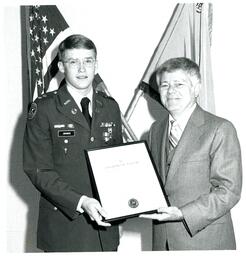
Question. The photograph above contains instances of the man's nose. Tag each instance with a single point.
(171, 89)
(81, 66)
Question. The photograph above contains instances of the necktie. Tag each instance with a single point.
(85, 109)
(174, 136)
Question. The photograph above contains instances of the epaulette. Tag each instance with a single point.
(47, 95)
(104, 95)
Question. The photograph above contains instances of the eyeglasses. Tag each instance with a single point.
(175, 86)
(76, 63)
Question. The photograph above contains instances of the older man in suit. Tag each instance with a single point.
(199, 160)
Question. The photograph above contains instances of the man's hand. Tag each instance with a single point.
(93, 208)
(165, 214)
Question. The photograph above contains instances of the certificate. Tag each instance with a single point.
(125, 180)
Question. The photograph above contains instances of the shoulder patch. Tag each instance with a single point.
(32, 111)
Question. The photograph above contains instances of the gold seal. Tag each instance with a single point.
(133, 203)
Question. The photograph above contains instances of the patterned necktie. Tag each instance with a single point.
(85, 109)
(175, 134)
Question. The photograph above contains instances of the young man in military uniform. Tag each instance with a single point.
(60, 126)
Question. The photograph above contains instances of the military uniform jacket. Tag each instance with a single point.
(55, 138)
(204, 180)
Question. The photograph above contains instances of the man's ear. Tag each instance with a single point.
(197, 87)
(96, 67)
(61, 66)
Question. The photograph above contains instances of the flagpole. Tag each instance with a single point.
(137, 95)
(30, 96)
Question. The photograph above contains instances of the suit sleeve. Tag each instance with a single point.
(39, 167)
(225, 178)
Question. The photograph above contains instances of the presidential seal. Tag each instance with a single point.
(133, 203)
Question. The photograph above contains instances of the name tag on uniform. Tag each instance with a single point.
(66, 133)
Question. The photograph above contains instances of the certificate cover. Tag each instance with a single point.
(125, 180)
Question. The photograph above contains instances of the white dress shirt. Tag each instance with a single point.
(181, 120)
(77, 96)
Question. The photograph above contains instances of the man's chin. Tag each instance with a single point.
(173, 109)
(83, 86)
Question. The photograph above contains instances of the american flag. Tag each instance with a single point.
(46, 28)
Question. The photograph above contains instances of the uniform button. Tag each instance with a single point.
(55, 208)
(92, 139)
(66, 141)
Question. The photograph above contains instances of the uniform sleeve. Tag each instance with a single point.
(39, 167)
(119, 132)
(225, 178)
(117, 118)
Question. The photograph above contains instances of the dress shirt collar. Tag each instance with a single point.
(183, 119)
(77, 96)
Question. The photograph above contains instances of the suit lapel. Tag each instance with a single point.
(69, 108)
(190, 136)
(163, 147)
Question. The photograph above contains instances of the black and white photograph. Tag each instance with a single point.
(123, 128)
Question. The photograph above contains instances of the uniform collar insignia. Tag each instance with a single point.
(67, 101)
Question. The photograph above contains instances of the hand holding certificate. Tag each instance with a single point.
(171, 213)
(126, 181)
(93, 208)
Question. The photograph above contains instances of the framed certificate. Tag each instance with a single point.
(126, 181)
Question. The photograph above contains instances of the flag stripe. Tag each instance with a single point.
(51, 72)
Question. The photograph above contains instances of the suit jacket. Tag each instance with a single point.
(55, 138)
(204, 180)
